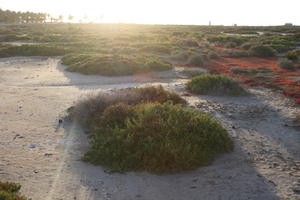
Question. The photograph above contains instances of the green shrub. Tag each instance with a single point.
(183, 55)
(237, 70)
(212, 55)
(114, 64)
(231, 45)
(87, 111)
(293, 54)
(246, 46)
(262, 51)
(297, 118)
(9, 191)
(196, 61)
(33, 50)
(159, 138)
(215, 85)
(156, 49)
(286, 64)
(190, 43)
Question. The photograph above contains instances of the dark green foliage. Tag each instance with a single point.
(9, 191)
(286, 64)
(214, 85)
(262, 51)
(159, 138)
(114, 64)
(33, 50)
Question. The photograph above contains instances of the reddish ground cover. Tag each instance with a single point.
(258, 71)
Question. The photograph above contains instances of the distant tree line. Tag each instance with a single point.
(7, 16)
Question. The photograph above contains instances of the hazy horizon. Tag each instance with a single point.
(168, 12)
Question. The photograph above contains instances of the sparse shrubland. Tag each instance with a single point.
(9, 191)
(210, 84)
(142, 129)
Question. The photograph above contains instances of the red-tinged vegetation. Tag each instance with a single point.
(258, 71)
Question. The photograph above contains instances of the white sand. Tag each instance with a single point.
(45, 157)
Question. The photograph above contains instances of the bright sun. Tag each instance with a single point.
(226, 12)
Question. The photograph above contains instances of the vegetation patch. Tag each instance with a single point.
(211, 84)
(262, 51)
(148, 129)
(87, 111)
(286, 64)
(33, 50)
(152, 137)
(114, 64)
(9, 191)
(196, 60)
(297, 118)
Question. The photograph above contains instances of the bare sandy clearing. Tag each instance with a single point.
(45, 157)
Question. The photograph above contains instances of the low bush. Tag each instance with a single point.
(237, 70)
(212, 55)
(33, 50)
(262, 51)
(86, 111)
(183, 55)
(246, 46)
(114, 64)
(190, 43)
(293, 55)
(159, 138)
(297, 118)
(9, 191)
(195, 61)
(286, 64)
(156, 49)
(211, 84)
(231, 45)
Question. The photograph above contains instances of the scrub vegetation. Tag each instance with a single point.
(149, 129)
(9, 191)
(210, 84)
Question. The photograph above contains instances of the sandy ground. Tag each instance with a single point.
(44, 156)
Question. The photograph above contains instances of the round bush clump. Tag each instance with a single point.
(286, 64)
(215, 85)
(262, 51)
(158, 138)
(196, 60)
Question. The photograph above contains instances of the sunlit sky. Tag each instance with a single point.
(225, 12)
